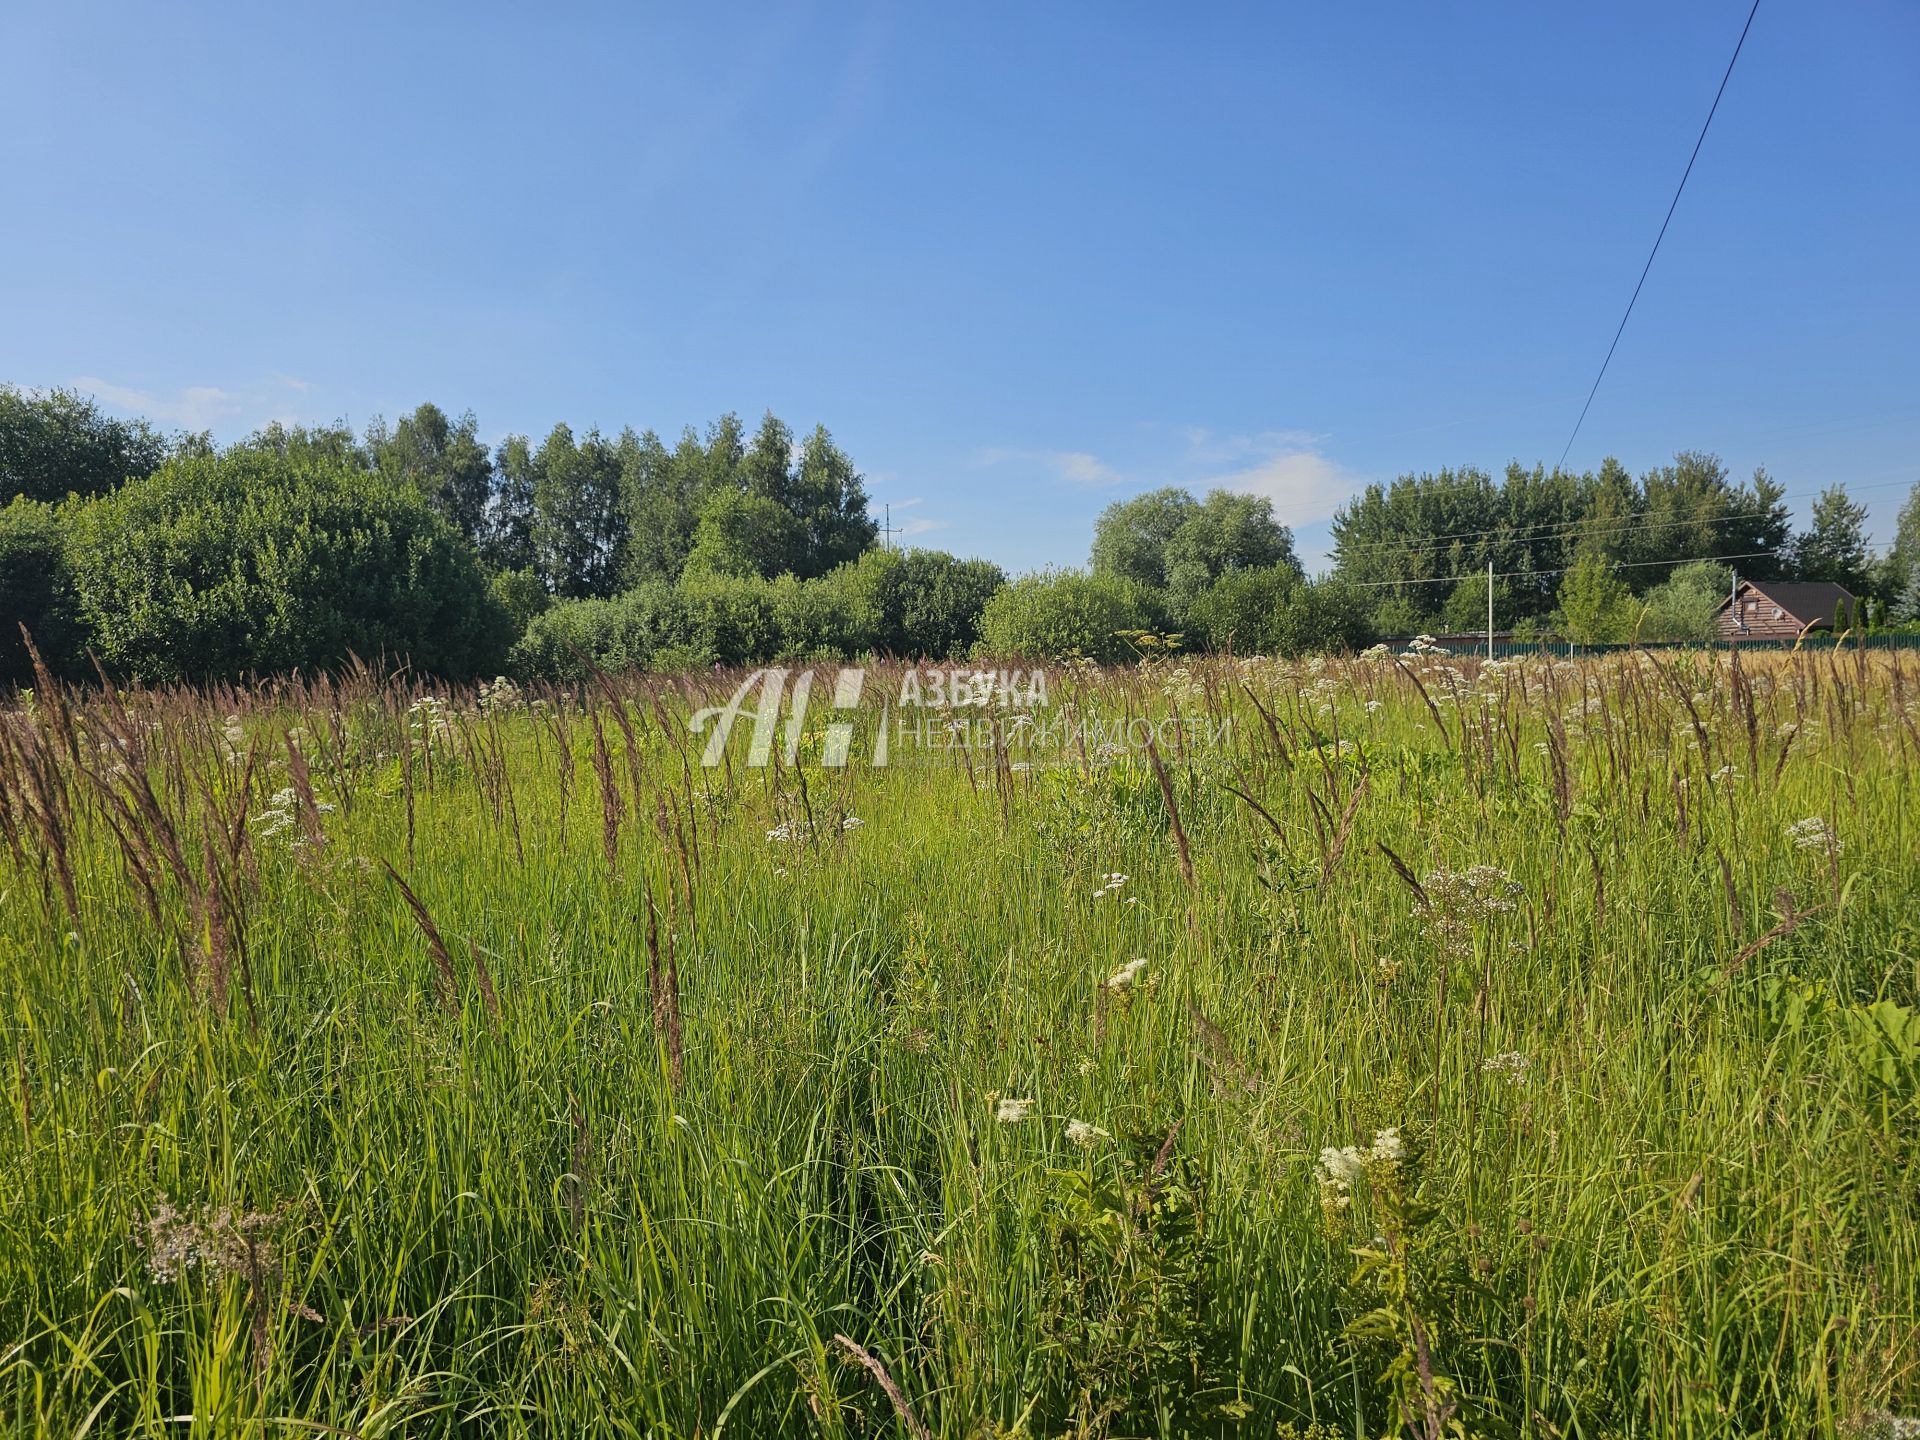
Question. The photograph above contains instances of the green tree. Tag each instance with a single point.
(1834, 547)
(36, 591)
(743, 533)
(667, 490)
(1690, 510)
(1273, 611)
(1686, 605)
(1169, 541)
(1466, 609)
(579, 529)
(443, 459)
(55, 443)
(218, 567)
(829, 501)
(1596, 605)
(506, 539)
(1899, 569)
(1906, 608)
(332, 444)
(1130, 538)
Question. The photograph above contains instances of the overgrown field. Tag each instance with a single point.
(1402, 1045)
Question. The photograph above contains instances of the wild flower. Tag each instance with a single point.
(1011, 1112)
(1459, 900)
(1513, 1065)
(1725, 775)
(1813, 833)
(1110, 883)
(1126, 974)
(1085, 1134)
(427, 717)
(1341, 1167)
(851, 822)
(1885, 1425)
(276, 817)
(218, 1241)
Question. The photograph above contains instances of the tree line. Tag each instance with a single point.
(169, 558)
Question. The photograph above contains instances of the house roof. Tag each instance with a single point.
(1808, 601)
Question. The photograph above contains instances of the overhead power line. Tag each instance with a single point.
(1663, 232)
(1542, 530)
(1562, 570)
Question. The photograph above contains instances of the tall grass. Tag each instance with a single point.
(1524, 1049)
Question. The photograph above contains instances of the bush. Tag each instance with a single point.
(931, 602)
(730, 618)
(215, 567)
(520, 596)
(1067, 614)
(1272, 611)
(35, 591)
(835, 617)
(633, 630)
(1685, 605)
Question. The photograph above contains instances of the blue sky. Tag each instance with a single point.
(1022, 260)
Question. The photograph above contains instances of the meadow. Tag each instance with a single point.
(1397, 1044)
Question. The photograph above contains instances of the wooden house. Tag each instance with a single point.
(1782, 609)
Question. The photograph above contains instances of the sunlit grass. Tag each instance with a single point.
(1653, 1085)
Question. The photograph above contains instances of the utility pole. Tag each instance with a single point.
(1489, 609)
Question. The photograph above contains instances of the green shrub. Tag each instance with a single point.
(1067, 614)
(930, 601)
(215, 567)
(35, 591)
(1685, 605)
(634, 630)
(520, 596)
(730, 618)
(1272, 611)
(835, 617)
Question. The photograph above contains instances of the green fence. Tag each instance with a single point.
(1563, 649)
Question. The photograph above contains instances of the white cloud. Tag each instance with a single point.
(917, 527)
(1303, 484)
(197, 407)
(1077, 467)
(1207, 447)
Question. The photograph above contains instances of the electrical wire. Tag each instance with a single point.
(1712, 110)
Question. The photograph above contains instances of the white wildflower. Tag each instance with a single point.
(1341, 1167)
(1126, 974)
(1085, 1134)
(1011, 1112)
(1813, 833)
(1512, 1064)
